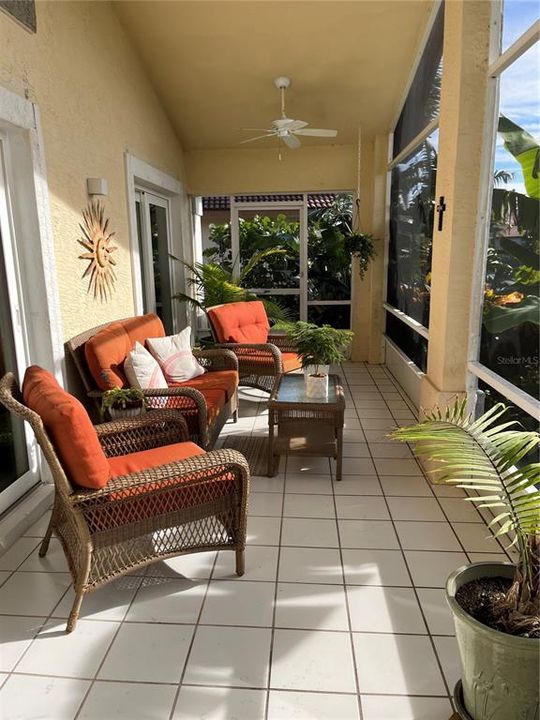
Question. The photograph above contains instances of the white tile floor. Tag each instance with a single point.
(340, 615)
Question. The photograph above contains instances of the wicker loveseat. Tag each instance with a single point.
(243, 327)
(149, 493)
(97, 356)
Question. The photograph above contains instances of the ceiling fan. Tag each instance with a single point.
(287, 129)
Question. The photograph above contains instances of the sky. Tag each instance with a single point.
(519, 84)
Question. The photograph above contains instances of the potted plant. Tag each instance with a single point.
(496, 606)
(318, 348)
(123, 403)
(361, 246)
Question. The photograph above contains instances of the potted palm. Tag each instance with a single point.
(318, 347)
(121, 403)
(496, 606)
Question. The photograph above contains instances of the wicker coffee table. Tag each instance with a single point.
(305, 426)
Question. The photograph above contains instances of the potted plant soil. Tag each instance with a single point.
(496, 606)
(121, 403)
(318, 347)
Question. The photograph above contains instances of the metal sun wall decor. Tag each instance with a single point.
(96, 241)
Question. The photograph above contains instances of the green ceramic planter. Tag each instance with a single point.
(500, 672)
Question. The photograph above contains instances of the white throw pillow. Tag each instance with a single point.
(175, 357)
(142, 370)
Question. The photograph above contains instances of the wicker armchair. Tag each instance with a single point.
(193, 505)
(189, 400)
(259, 363)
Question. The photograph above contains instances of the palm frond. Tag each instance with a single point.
(482, 456)
(256, 258)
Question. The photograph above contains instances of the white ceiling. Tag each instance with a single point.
(213, 63)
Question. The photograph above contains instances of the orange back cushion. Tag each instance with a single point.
(107, 350)
(142, 327)
(242, 322)
(69, 428)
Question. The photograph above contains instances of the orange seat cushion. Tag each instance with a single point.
(137, 461)
(225, 380)
(126, 506)
(107, 350)
(69, 428)
(241, 322)
(217, 387)
(291, 361)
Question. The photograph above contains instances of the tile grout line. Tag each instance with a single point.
(276, 587)
(419, 604)
(113, 639)
(192, 641)
(345, 593)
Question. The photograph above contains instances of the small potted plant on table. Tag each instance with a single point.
(121, 403)
(496, 606)
(318, 347)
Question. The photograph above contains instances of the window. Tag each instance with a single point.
(310, 279)
(413, 173)
(508, 352)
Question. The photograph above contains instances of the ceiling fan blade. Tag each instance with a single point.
(296, 125)
(259, 137)
(291, 141)
(256, 130)
(317, 132)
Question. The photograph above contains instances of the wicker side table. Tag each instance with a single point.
(305, 426)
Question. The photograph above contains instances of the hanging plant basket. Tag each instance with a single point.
(361, 246)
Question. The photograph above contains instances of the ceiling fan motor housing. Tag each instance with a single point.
(282, 82)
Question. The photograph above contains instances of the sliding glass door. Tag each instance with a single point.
(153, 229)
(18, 456)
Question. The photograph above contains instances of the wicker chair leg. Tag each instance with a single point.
(240, 563)
(74, 614)
(45, 542)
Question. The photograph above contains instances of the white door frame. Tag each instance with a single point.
(301, 206)
(27, 236)
(142, 176)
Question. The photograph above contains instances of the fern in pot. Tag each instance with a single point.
(496, 606)
(121, 403)
(318, 347)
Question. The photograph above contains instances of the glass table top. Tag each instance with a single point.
(292, 389)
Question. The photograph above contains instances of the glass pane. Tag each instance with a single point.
(518, 16)
(138, 216)
(261, 230)
(281, 307)
(423, 98)
(510, 320)
(160, 260)
(292, 389)
(329, 266)
(527, 422)
(13, 451)
(412, 205)
(410, 342)
(338, 316)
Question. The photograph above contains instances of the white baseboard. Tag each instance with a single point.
(24, 514)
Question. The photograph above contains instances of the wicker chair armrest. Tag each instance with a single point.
(216, 359)
(148, 431)
(253, 351)
(181, 399)
(191, 471)
(282, 341)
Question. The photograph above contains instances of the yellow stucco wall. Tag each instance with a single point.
(95, 103)
(222, 172)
